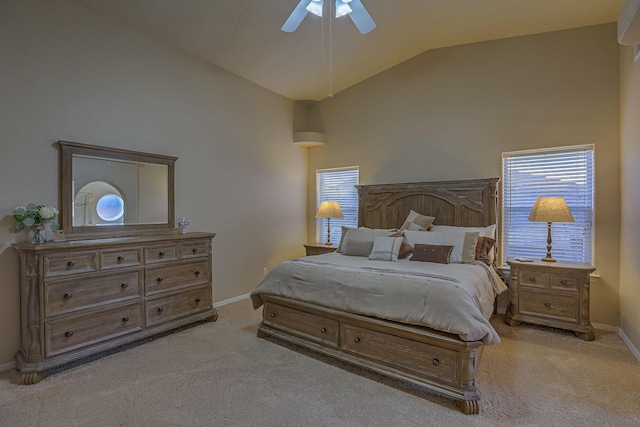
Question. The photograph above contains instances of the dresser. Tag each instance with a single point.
(553, 294)
(82, 297)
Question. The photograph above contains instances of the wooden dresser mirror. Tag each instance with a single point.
(110, 192)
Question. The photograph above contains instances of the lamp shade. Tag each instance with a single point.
(550, 209)
(329, 210)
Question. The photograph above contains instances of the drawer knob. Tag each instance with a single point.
(159, 279)
(161, 253)
(68, 295)
(70, 264)
(357, 340)
(125, 319)
(532, 279)
(124, 285)
(198, 299)
(160, 309)
(435, 362)
(273, 315)
(547, 304)
(68, 334)
(194, 250)
(563, 282)
(323, 330)
(197, 272)
(120, 258)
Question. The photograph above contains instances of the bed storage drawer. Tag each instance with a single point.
(410, 354)
(550, 305)
(309, 325)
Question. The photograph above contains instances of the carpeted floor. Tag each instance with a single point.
(220, 374)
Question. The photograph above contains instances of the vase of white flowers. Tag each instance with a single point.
(36, 217)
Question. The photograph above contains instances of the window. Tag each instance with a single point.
(337, 185)
(527, 175)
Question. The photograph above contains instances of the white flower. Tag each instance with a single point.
(47, 212)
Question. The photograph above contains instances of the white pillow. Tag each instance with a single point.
(386, 248)
(359, 241)
(417, 222)
(489, 231)
(464, 243)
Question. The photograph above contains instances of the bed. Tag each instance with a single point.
(320, 302)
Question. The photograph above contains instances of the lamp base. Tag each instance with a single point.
(548, 259)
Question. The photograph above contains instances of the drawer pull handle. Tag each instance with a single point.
(68, 334)
(323, 330)
(160, 309)
(124, 285)
(194, 250)
(70, 264)
(532, 279)
(273, 315)
(125, 319)
(547, 304)
(435, 362)
(198, 299)
(161, 253)
(197, 272)
(563, 282)
(159, 279)
(120, 258)
(357, 340)
(68, 295)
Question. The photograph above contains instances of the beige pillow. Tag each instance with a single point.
(417, 222)
(464, 244)
(386, 248)
(405, 248)
(432, 253)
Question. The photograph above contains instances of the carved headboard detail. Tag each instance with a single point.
(469, 203)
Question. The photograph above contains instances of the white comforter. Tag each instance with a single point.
(454, 298)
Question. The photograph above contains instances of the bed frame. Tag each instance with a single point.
(434, 360)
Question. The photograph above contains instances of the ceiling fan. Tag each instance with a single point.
(353, 8)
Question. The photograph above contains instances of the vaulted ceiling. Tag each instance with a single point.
(323, 56)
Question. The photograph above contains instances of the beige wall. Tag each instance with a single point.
(70, 74)
(630, 180)
(450, 113)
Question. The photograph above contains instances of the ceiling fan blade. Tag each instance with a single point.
(361, 17)
(296, 16)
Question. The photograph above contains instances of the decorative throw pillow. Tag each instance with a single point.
(359, 241)
(386, 248)
(417, 222)
(484, 248)
(489, 231)
(432, 253)
(464, 244)
(405, 248)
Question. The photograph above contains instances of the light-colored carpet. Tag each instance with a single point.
(221, 374)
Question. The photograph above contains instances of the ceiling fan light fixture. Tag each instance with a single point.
(315, 7)
(342, 8)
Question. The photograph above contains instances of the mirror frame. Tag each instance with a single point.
(66, 198)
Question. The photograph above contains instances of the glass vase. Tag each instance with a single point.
(37, 235)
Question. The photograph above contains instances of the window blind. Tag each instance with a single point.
(566, 172)
(337, 185)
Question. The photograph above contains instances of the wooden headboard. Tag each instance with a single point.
(470, 203)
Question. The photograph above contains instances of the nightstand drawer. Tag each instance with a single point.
(549, 305)
(569, 282)
(533, 278)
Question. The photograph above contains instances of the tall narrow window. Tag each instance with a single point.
(527, 175)
(337, 185)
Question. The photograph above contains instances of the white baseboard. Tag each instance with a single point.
(230, 300)
(7, 366)
(629, 344)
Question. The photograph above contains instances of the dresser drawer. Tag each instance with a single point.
(160, 253)
(75, 332)
(550, 305)
(159, 279)
(568, 282)
(311, 326)
(69, 263)
(62, 297)
(410, 354)
(120, 258)
(533, 278)
(167, 308)
(194, 249)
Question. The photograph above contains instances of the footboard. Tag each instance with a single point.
(433, 360)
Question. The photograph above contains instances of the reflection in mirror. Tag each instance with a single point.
(114, 192)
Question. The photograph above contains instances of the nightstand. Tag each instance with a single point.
(552, 294)
(319, 248)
